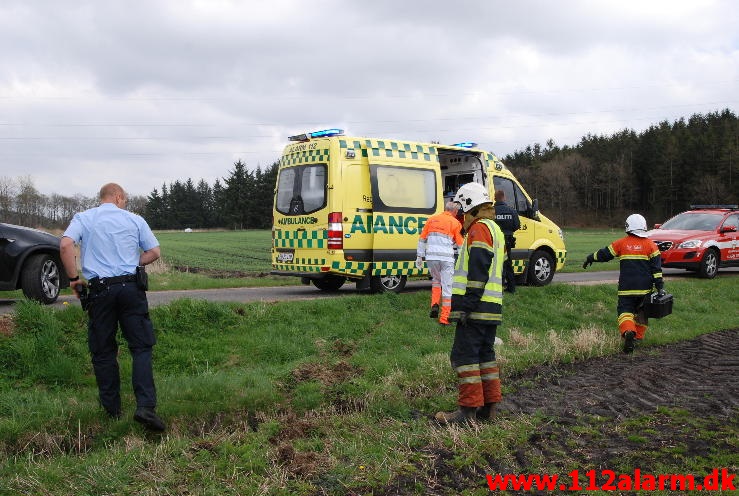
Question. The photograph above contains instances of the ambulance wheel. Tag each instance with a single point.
(540, 269)
(329, 283)
(708, 267)
(383, 284)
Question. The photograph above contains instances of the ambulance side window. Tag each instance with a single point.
(514, 196)
(301, 190)
(403, 189)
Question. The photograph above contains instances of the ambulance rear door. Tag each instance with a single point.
(406, 190)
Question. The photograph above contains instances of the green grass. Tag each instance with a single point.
(230, 251)
(325, 396)
(249, 251)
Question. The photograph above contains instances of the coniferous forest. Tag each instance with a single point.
(657, 172)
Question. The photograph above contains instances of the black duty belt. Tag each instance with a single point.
(107, 281)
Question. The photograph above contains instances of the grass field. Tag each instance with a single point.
(248, 252)
(329, 396)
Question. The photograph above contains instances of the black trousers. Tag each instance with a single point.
(121, 304)
(473, 343)
(509, 277)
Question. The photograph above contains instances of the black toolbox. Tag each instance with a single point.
(658, 305)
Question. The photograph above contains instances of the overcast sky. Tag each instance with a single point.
(147, 92)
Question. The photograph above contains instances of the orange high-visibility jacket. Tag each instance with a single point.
(439, 236)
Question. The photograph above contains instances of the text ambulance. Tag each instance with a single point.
(352, 209)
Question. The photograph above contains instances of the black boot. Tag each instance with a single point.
(434, 313)
(487, 412)
(149, 419)
(629, 338)
(465, 415)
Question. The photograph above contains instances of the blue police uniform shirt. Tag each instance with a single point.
(110, 239)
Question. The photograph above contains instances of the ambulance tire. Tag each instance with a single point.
(387, 284)
(541, 268)
(329, 283)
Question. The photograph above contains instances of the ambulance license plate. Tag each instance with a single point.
(286, 256)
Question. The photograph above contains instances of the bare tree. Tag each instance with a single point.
(7, 198)
(28, 203)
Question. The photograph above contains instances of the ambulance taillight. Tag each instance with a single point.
(335, 231)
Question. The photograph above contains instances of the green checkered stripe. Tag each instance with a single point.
(519, 265)
(392, 149)
(300, 239)
(494, 161)
(561, 256)
(350, 268)
(297, 268)
(395, 268)
(305, 157)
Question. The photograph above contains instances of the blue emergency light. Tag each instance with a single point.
(326, 133)
(466, 144)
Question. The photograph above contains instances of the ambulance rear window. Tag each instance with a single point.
(301, 190)
(401, 189)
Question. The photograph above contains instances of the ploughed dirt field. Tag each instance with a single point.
(661, 410)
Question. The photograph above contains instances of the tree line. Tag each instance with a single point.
(243, 201)
(22, 204)
(658, 172)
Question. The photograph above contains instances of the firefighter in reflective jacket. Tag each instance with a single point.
(507, 218)
(440, 238)
(477, 303)
(641, 270)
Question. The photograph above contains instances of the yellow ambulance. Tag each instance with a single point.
(351, 209)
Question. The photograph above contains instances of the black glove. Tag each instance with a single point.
(463, 318)
(588, 261)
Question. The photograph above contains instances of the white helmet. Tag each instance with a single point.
(471, 195)
(636, 225)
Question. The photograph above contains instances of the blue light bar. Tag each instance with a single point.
(326, 133)
(317, 134)
(466, 144)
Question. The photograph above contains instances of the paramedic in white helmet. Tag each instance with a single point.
(641, 270)
(477, 305)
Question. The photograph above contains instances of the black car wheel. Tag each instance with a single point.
(41, 278)
(382, 284)
(541, 268)
(329, 283)
(708, 266)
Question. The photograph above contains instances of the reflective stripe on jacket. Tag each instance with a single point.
(439, 236)
(641, 264)
(478, 276)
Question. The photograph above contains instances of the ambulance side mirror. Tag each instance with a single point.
(534, 212)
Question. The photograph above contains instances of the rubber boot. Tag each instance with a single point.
(487, 412)
(629, 338)
(465, 415)
(444, 316)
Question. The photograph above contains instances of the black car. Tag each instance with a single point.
(29, 260)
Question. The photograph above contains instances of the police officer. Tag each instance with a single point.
(477, 306)
(507, 218)
(115, 245)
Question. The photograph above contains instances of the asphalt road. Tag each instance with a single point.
(310, 292)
